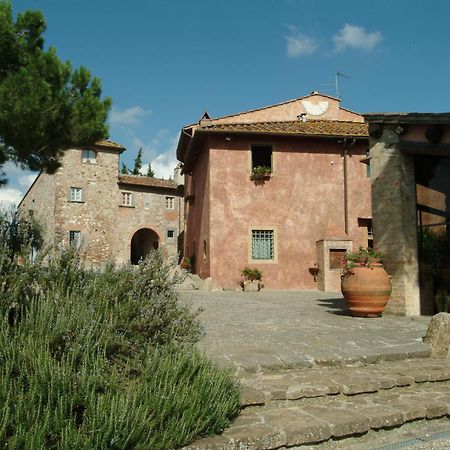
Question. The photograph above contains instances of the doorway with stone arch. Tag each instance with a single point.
(143, 242)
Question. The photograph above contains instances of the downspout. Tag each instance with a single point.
(347, 145)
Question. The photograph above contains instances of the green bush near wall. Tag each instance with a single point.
(103, 360)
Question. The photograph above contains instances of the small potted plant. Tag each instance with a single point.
(261, 173)
(186, 263)
(365, 284)
(251, 280)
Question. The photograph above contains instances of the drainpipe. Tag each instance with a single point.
(347, 145)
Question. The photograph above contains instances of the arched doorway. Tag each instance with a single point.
(142, 243)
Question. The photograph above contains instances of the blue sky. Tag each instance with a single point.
(166, 62)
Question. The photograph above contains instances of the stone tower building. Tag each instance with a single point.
(109, 217)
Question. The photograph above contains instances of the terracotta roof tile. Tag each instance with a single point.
(110, 144)
(140, 180)
(309, 128)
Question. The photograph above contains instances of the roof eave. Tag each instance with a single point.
(408, 118)
(282, 133)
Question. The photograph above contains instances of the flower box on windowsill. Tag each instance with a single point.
(261, 173)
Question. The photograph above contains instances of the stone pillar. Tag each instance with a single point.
(394, 220)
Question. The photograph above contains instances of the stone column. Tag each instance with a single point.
(394, 220)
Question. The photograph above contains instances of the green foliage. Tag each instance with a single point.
(362, 257)
(260, 172)
(46, 106)
(124, 169)
(137, 163)
(150, 173)
(103, 360)
(19, 234)
(252, 274)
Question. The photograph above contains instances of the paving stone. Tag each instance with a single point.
(252, 396)
(359, 387)
(259, 437)
(306, 429)
(382, 416)
(436, 409)
(342, 422)
(386, 381)
(304, 390)
(411, 409)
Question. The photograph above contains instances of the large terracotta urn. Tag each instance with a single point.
(366, 290)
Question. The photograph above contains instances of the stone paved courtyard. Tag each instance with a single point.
(274, 329)
(290, 351)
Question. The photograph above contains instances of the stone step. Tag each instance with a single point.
(260, 389)
(309, 406)
(186, 280)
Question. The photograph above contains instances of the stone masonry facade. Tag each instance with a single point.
(88, 204)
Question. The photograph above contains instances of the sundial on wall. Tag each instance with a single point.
(315, 109)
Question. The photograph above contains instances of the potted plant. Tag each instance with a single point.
(261, 173)
(186, 264)
(251, 280)
(365, 284)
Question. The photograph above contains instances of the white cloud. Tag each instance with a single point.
(160, 152)
(299, 44)
(353, 36)
(25, 181)
(130, 116)
(164, 164)
(9, 197)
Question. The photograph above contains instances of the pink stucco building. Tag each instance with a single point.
(313, 205)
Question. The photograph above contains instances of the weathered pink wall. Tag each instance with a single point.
(304, 195)
(198, 215)
(290, 110)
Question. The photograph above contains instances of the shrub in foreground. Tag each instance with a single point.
(103, 360)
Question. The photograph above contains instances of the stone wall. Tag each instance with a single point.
(40, 199)
(106, 226)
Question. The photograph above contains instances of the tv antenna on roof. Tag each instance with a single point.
(336, 80)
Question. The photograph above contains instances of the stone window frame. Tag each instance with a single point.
(170, 202)
(75, 238)
(127, 199)
(89, 156)
(173, 237)
(76, 194)
(274, 230)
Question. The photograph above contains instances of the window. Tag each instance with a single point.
(89, 156)
(127, 199)
(75, 238)
(262, 244)
(367, 224)
(170, 202)
(262, 156)
(170, 234)
(76, 194)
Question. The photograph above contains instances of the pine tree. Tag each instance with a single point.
(124, 169)
(150, 173)
(137, 163)
(46, 106)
